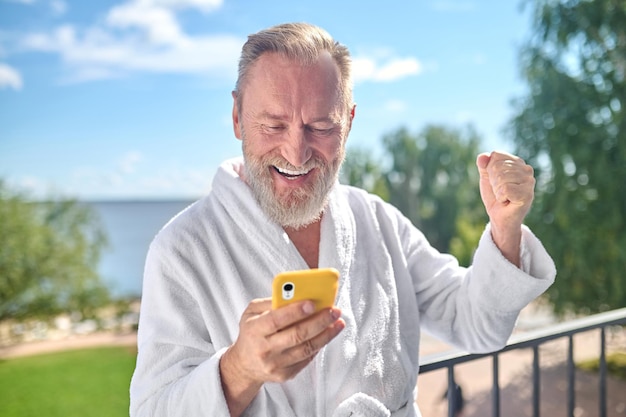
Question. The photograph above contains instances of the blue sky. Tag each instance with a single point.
(117, 99)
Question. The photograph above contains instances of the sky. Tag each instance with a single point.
(131, 99)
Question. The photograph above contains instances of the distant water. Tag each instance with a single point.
(130, 227)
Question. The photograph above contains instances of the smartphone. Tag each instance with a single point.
(317, 285)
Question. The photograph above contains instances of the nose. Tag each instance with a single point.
(296, 149)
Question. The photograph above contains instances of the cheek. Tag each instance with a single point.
(257, 145)
(331, 149)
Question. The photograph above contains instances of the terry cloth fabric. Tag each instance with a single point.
(211, 260)
(361, 405)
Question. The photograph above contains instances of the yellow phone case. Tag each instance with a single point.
(317, 285)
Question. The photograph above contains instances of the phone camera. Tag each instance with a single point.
(288, 290)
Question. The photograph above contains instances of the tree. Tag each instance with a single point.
(48, 258)
(432, 179)
(571, 128)
(361, 170)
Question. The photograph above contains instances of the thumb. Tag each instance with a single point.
(482, 161)
(486, 190)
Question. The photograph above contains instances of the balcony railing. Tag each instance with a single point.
(533, 340)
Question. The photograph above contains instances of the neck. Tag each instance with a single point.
(307, 240)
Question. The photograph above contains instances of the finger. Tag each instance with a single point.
(485, 187)
(306, 329)
(505, 168)
(258, 306)
(516, 194)
(309, 348)
(276, 320)
(482, 161)
(511, 174)
(502, 155)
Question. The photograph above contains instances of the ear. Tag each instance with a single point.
(352, 114)
(236, 121)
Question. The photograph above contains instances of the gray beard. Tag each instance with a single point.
(300, 207)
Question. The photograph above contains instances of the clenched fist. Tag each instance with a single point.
(507, 188)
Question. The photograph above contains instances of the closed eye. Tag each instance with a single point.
(321, 131)
(273, 128)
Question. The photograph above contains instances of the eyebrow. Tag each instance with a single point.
(267, 115)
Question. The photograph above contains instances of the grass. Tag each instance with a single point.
(615, 364)
(79, 383)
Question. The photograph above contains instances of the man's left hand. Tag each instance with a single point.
(507, 187)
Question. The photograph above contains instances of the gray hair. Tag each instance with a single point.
(301, 42)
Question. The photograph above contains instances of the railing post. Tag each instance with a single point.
(571, 374)
(495, 394)
(535, 340)
(602, 393)
(536, 382)
(451, 392)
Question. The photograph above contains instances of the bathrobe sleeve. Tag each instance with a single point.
(475, 308)
(177, 371)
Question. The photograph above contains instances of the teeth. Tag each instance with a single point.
(291, 173)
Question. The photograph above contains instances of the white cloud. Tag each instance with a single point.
(176, 180)
(10, 77)
(464, 117)
(139, 35)
(59, 7)
(158, 23)
(368, 69)
(97, 52)
(395, 106)
(128, 177)
(127, 164)
(90, 182)
(204, 5)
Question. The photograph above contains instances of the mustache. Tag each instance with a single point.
(279, 161)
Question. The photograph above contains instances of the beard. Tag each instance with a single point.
(298, 207)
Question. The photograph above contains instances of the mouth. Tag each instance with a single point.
(291, 174)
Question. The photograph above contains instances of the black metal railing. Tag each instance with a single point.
(533, 340)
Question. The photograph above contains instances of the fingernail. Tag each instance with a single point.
(308, 307)
(335, 313)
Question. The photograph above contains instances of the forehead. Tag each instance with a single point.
(277, 81)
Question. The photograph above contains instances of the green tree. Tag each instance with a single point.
(361, 170)
(571, 128)
(48, 257)
(432, 179)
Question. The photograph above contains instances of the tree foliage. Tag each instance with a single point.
(361, 170)
(432, 179)
(571, 128)
(48, 257)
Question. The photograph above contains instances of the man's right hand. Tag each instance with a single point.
(273, 346)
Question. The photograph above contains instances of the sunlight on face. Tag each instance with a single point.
(296, 207)
(293, 126)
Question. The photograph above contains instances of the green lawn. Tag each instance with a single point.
(80, 383)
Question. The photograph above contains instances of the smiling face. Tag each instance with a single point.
(293, 126)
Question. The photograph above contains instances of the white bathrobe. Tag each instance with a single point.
(206, 265)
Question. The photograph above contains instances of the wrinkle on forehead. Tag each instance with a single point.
(289, 90)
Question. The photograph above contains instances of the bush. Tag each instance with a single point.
(48, 258)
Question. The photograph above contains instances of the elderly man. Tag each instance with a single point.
(209, 342)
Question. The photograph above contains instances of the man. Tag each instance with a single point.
(209, 342)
